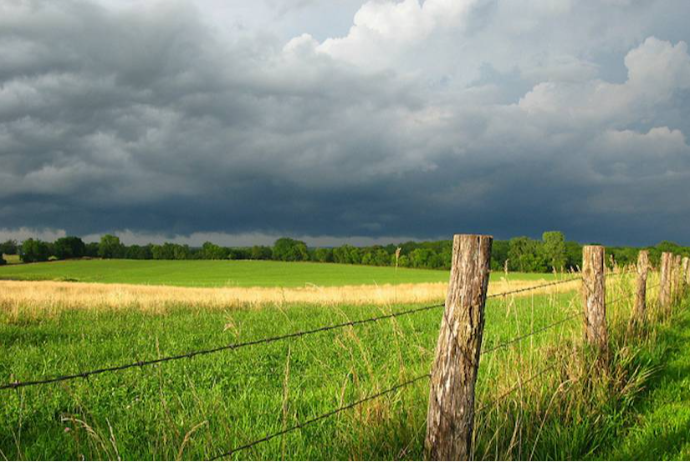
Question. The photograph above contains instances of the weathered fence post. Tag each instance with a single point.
(676, 277)
(594, 297)
(450, 417)
(665, 281)
(641, 294)
(684, 275)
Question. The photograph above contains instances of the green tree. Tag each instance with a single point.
(69, 247)
(34, 250)
(554, 250)
(211, 251)
(286, 249)
(9, 247)
(526, 255)
(261, 252)
(324, 255)
(110, 247)
(163, 252)
(181, 252)
(2, 260)
(138, 252)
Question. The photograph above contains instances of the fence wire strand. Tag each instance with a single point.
(528, 289)
(321, 417)
(520, 383)
(234, 346)
(86, 374)
(530, 334)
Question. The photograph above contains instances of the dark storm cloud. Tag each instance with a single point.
(143, 119)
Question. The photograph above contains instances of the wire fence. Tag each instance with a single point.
(236, 346)
(407, 383)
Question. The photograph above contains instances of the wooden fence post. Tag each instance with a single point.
(641, 295)
(676, 277)
(450, 417)
(684, 275)
(665, 281)
(594, 297)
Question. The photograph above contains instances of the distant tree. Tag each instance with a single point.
(211, 251)
(554, 250)
(261, 252)
(9, 247)
(138, 252)
(239, 253)
(69, 247)
(499, 255)
(347, 254)
(287, 249)
(110, 247)
(573, 254)
(92, 249)
(34, 250)
(526, 255)
(324, 255)
(2, 260)
(163, 252)
(181, 252)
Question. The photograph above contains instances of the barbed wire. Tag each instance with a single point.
(532, 333)
(138, 364)
(528, 289)
(520, 383)
(234, 346)
(321, 417)
(630, 295)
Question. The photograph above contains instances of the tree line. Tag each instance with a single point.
(550, 253)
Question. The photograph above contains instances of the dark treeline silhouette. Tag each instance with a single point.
(524, 254)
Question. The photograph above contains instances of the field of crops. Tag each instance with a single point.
(199, 408)
(226, 273)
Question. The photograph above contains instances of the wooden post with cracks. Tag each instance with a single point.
(641, 293)
(684, 275)
(450, 416)
(665, 281)
(676, 278)
(594, 297)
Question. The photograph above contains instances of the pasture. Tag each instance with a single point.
(227, 273)
(201, 407)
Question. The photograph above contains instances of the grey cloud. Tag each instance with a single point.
(143, 119)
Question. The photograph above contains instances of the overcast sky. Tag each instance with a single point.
(345, 120)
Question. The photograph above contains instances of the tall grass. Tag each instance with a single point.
(44, 298)
(199, 408)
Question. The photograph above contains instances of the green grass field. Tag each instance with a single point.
(223, 273)
(198, 408)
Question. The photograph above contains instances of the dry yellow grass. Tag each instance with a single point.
(50, 297)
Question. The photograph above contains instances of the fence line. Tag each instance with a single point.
(322, 416)
(469, 349)
(528, 289)
(138, 364)
(520, 383)
(531, 334)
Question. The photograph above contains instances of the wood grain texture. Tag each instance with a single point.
(594, 296)
(640, 311)
(450, 417)
(666, 282)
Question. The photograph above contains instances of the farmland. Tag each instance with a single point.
(224, 273)
(201, 407)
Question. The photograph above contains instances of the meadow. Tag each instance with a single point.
(200, 408)
(228, 273)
